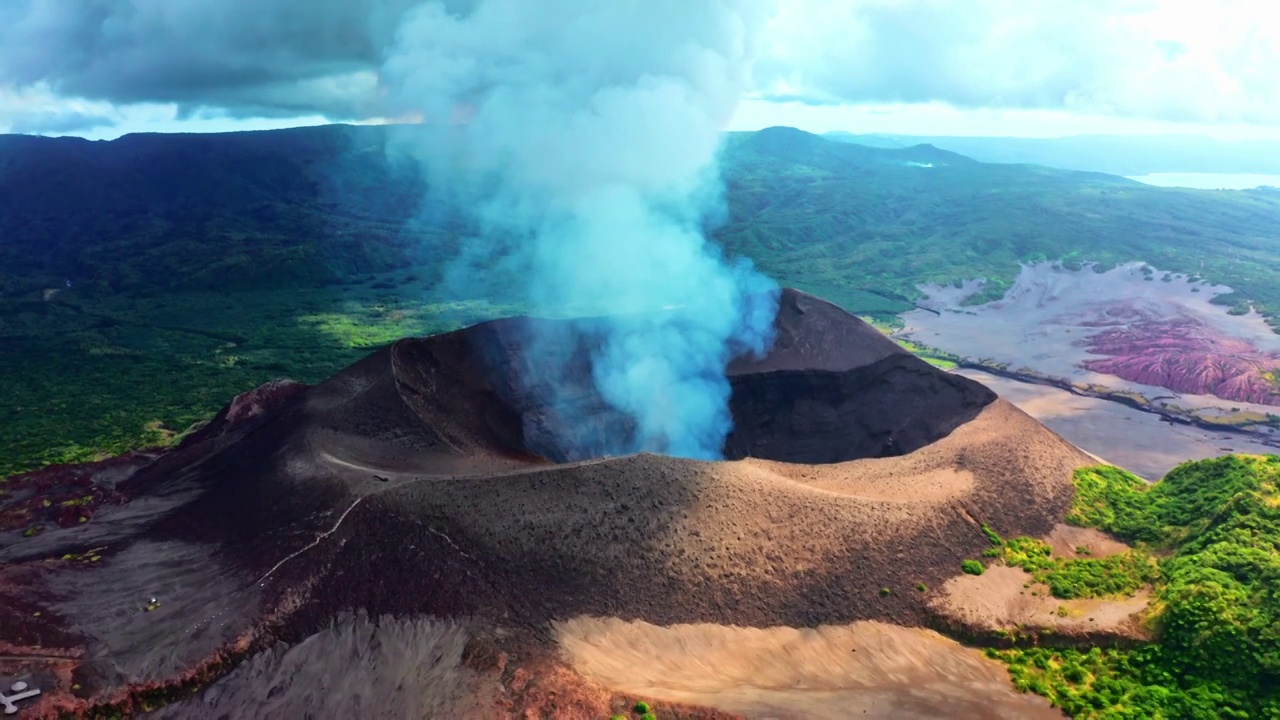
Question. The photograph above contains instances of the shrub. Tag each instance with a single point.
(992, 536)
(972, 567)
(641, 707)
(886, 591)
(922, 587)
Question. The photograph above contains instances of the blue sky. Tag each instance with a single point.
(101, 68)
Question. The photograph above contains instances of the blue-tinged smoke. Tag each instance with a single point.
(582, 136)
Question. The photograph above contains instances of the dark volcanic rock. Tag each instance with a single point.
(890, 407)
(429, 480)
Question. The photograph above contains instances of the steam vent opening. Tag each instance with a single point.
(830, 389)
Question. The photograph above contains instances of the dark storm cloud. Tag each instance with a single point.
(260, 57)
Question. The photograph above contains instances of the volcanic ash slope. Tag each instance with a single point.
(442, 478)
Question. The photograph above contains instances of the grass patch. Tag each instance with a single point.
(1122, 574)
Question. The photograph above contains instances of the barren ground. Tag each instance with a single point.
(1066, 538)
(862, 669)
(1135, 440)
(1161, 339)
(1005, 598)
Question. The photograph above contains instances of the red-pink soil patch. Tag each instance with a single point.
(1182, 354)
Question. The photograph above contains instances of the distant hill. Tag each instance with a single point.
(210, 210)
(831, 217)
(861, 225)
(1115, 154)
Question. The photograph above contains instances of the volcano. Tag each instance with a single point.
(418, 535)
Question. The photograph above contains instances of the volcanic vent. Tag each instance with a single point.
(434, 479)
(831, 389)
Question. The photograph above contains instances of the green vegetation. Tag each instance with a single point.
(1216, 613)
(641, 710)
(1111, 499)
(840, 219)
(972, 567)
(87, 376)
(1120, 574)
(935, 357)
(992, 536)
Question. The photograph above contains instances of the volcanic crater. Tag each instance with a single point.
(447, 483)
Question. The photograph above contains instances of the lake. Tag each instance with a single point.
(1209, 181)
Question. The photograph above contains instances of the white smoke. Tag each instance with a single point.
(582, 135)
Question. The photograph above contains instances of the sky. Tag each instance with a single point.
(1032, 68)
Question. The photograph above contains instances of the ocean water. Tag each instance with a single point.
(1209, 181)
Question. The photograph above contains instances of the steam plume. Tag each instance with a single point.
(583, 137)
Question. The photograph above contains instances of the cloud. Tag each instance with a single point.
(58, 122)
(36, 110)
(247, 57)
(1206, 61)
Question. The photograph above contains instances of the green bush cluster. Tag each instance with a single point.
(1114, 500)
(1217, 644)
(1119, 684)
(992, 536)
(1120, 574)
(972, 567)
